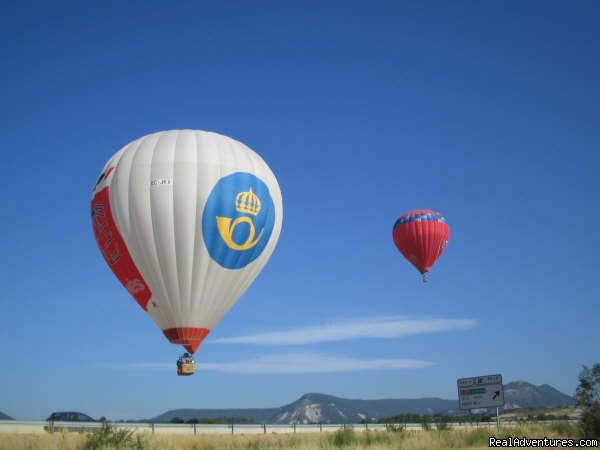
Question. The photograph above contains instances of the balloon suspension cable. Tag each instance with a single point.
(425, 278)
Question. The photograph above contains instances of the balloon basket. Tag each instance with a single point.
(186, 369)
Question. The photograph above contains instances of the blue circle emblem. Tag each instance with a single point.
(238, 220)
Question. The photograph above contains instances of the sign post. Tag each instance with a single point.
(481, 392)
(497, 419)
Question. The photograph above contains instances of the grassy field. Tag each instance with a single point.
(409, 440)
(523, 413)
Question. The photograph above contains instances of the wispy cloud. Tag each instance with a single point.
(370, 327)
(312, 363)
(133, 366)
(287, 363)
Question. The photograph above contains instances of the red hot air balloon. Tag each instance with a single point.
(421, 236)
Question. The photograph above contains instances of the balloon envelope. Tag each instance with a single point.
(421, 236)
(186, 220)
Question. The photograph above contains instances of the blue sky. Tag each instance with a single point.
(485, 111)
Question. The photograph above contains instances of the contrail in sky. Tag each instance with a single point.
(370, 327)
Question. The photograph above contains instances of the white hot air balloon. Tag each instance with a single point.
(186, 220)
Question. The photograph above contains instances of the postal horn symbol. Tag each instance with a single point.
(227, 227)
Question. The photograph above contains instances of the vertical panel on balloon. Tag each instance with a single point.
(115, 251)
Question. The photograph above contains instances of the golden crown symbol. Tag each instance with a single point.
(247, 202)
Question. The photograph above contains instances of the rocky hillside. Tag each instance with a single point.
(521, 394)
(315, 408)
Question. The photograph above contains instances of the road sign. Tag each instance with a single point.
(480, 392)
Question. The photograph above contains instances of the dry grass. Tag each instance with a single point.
(372, 440)
(522, 413)
(57, 441)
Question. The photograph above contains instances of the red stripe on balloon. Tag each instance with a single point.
(115, 251)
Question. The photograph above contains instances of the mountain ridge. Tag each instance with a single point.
(5, 416)
(323, 408)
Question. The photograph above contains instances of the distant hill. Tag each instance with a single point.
(315, 408)
(5, 417)
(521, 394)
